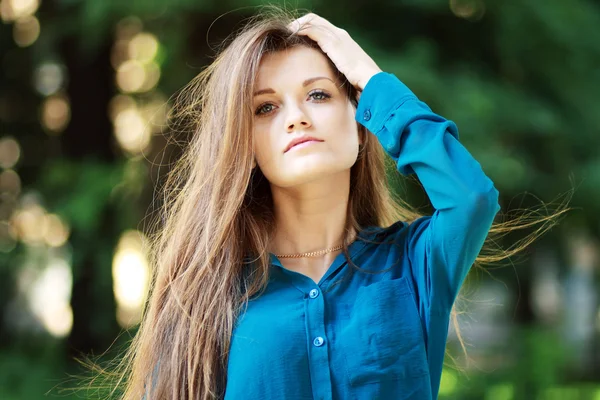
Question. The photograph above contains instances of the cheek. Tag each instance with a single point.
(264, 150)
(348, 133)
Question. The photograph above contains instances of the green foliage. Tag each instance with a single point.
(79, 191)
(532, 368)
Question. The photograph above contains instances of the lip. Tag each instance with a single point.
(300, 140)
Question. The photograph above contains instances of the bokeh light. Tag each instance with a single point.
(30, 224)
(50, 295)
(131, 277)
(10, 182)
(49, 78)
(131, 131)
(131, 76)
(10, 152)
(26, 31)
(151, 77)
(472, 10)
(155, 111)
(119, 53)
(143, 47)
(12, 10)
(120, 103)
(56, 113)
(136, 120)
(57, 231)
(133, 57)
(128, 27)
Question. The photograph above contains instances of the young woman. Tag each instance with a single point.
(284, 268)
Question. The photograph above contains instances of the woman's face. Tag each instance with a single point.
(290, 104)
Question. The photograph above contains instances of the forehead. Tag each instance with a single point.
(292, 65)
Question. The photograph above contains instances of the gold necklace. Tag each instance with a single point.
(311, 253)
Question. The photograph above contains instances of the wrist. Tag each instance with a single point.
(367, 76)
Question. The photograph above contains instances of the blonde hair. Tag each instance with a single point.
(217, 211)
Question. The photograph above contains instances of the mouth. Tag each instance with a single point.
(303, 143)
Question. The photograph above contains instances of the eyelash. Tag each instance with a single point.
(326, 96)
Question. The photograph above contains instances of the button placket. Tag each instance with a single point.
(318, 355)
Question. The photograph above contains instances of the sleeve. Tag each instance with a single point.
(442, 247)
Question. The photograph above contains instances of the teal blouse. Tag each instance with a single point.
(365, 336)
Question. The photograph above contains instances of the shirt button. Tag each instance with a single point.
(318, 341)
(367, 115)
(313, 293)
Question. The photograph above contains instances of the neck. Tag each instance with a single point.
(312, 216)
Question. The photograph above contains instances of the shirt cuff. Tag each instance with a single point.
(382, 94)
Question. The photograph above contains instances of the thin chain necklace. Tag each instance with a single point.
(311, 253)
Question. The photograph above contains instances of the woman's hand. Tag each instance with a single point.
(345, 53)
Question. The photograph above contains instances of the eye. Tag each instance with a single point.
(261, 108)
(318, 95)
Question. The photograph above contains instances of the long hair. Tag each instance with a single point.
(209, 253)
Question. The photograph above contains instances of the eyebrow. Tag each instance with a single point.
(305, 83)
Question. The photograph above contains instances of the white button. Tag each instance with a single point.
(313, 293)
(318, 341)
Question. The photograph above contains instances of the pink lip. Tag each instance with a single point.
(304, 144)
(299, 140)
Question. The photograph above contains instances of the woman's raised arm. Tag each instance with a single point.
(441, 247)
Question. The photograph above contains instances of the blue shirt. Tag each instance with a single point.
(356, 335)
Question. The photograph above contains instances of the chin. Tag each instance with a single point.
(309, 175)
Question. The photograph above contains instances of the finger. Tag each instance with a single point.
(298, 24)
(318, 32)
(310, 19)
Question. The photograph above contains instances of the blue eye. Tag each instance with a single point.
(319, 93)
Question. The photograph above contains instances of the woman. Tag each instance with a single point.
(284, 269)
(374, 335)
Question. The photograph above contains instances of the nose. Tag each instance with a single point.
(296, 119)
(294, 126)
